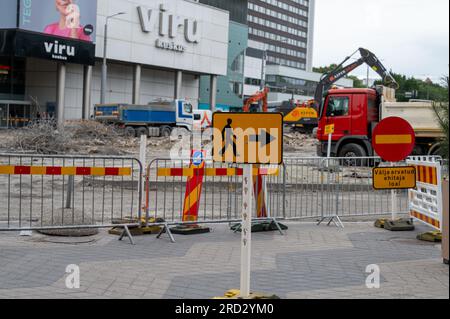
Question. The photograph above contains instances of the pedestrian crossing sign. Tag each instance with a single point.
(248, 138)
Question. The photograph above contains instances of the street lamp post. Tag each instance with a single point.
(104, 65)
(263, 70)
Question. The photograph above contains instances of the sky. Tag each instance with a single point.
(411, 37)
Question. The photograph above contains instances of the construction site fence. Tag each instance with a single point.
(301, 188)
(69, 192)
(58, 192)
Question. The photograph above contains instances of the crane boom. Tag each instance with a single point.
(340, 71)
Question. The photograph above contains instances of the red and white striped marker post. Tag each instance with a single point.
(246, 235)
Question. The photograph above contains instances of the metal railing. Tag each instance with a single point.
(220, 196)
(55, 192)
(320, 187)
(68, 192)
(303, 188)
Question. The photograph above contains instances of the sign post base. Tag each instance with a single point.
(190, 230)
(403, 224)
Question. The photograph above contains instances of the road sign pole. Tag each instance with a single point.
(329, 129)
(330, 137)
(246, 240)
(394, 200)
(143, 160)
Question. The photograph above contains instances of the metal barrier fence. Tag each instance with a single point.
(220, 194)
(55, 192)
(320, 187)
(303, 188)
(68, 192)
(444, 164)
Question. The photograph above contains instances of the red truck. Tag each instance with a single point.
(356, 112)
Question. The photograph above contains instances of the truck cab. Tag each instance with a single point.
(202, 119)
(354, 113)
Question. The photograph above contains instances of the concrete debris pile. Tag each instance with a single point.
(93, 130)
(80, 137)
(298, 141)
(39, 138)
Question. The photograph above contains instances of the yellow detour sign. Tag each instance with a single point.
(329, 129)
(248, 138)
(394, 178)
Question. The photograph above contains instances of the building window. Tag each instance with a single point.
(238, 64)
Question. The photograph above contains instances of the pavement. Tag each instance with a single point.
(308, 262)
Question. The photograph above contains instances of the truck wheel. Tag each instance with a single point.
(142, 131)
(130, 131)
(166, 131)
(353, 151)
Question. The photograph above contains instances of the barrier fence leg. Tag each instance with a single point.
(126, 232)
(70, 187)
(335, 217)
(278, 225)
(166, 229)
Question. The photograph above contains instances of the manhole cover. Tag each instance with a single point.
(68, 240)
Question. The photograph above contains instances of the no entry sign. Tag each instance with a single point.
(393, 139)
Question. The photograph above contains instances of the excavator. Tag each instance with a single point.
(257, 97)
(305, 116)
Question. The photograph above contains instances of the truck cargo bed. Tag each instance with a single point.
(420, 115)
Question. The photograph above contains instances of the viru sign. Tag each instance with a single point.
(168, 26)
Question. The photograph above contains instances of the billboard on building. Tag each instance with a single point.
(8, 14)
(71, 19)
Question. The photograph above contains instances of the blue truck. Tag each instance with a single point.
(154, 119)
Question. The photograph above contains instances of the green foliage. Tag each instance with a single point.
(426, 90)
(325, 69)
(442, 113)
(357, 83)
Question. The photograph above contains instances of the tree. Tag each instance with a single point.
(442, 114)
(418, 89)
(325, 69)
(357, 83)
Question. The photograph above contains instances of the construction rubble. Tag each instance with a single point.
(94, 138)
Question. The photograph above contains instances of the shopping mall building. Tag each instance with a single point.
(51, 65)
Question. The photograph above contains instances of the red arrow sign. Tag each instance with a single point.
(394, 139)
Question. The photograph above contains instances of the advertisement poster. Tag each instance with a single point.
(71, 19)
(8, 16)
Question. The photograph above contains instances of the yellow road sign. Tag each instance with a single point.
(394, 177)
(248, 138)
(329, 129)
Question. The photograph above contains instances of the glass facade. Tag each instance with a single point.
(281, 26)
(283, 84)
(12, 78)
(236, 8)
(230, 88)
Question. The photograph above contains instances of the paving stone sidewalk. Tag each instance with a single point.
(308, 262)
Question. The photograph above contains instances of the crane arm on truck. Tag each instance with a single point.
(340, 72)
